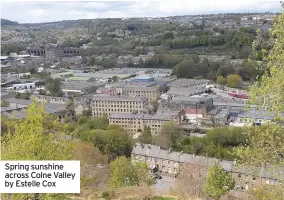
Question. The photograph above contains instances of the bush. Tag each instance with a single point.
(217, 143)
(233, 80)
(108, 195)
(221, 80)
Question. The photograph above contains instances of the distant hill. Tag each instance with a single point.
(6, 22)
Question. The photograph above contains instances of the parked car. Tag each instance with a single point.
(156, 176)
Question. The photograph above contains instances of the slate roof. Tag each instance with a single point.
(135, 88)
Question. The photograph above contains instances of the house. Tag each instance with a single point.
(80, 106)
(221, 118)
(171, 163)
(51, 99)
(18, 110)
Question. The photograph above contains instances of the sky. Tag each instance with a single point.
(48, 11)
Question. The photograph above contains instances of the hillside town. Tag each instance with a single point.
(171, 92)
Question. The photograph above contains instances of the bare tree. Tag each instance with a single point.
(191, 180)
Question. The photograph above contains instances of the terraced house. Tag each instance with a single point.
(171, 163)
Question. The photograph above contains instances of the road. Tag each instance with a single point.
(163, 185)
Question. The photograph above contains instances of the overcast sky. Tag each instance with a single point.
(33, 12)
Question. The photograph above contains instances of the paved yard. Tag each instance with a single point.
(164, 184)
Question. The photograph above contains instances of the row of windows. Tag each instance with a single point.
(124, 122)
(117, 102)
(250, 120)
(114, 110)
(147, 92)
(129, 123)
(23, 87)
(119, 106)
(135, 121)
(156, 160)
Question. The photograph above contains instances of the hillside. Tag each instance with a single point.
(6, 22)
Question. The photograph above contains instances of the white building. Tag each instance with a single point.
(250, 118)
(23, 86)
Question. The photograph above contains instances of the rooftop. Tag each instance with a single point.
(135, 88)
(154, 151)
(189, 91)
(183, 83)
(79, 85)
(131, 84)
(50, 107)
(222, 114)
(255, 114)
(190, 100)
(20, 111)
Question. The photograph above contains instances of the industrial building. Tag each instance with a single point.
(106, 105)
(136, 122)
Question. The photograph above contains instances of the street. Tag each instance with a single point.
(163, 185)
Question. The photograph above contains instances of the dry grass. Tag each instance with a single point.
(131, 193)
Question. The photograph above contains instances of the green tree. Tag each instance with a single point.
(265, 146)
(218, 182)
(233, 80)
(266, 142)
(53, 86)
(87, 113)
(114, 78)
(170, 134)
(87, 123)
(25, 96)
(4, 103)
(267, 94)
(113, 142)
(37, 137)
(123, 173)
(221, 80)
(18, 95)
(146, 136)
(155, 105)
